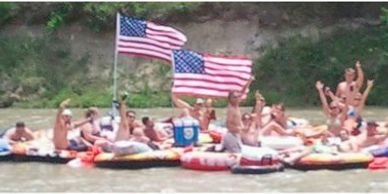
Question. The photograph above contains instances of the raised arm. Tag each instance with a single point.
(243, 90)
(369, 86)
(81, 122)
(58, 118)
(360, 75)
(123, 131)
(180, 103)
(62, 107)
(333, 97)
(260, 103)
(325, 105)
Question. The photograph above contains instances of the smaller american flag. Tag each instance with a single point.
(144, 38)
(209, 75)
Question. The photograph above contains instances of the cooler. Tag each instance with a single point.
(186, 131)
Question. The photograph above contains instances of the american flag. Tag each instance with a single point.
(144, 38)
(209, 75)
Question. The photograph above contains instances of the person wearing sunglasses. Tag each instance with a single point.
(128, 122)
(334, 111)
(231, 141)
(349, 75)
(253, 122)
(369, 135)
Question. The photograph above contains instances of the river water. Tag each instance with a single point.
(41, 177)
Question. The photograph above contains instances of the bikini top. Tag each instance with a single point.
(334, 122)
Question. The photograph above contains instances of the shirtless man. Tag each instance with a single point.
(196, 111)
(278, 123)
(62, 125)
(91, 131)
(232, 140)
(153, 132)
(253, 122)
(370, 136)
(349, 80)
(347, 143)
(128, 122)
(19, 133)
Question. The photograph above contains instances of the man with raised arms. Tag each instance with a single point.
(232, 140)
(62, 125)
(350, 74)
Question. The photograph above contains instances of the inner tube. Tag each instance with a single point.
(378, 163)
(5, 150)
(237, 169)
(23, 152)
(280, 142)
(209, 161)
(380, 152)
(341, 161)
(159, 158)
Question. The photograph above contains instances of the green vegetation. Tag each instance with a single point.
(288, 73)
(98, 16)
(6, 11)
(43, 71)
(284, 74)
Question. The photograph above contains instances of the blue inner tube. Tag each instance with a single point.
(380, 152)
(237, 169)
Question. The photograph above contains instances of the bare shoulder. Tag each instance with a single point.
(137, 123)
(342, 84)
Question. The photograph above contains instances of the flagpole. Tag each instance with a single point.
(115, 65)
(173, 77)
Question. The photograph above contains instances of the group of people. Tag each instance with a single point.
(346, 130)
(93, 131)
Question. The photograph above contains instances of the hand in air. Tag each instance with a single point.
(358, 64)
(209, 102)
(319, 85)
(258, 96)
(370, 83)
(124, 96)
(327, 91)
(65, 103)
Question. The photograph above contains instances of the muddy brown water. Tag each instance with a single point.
(41, 177)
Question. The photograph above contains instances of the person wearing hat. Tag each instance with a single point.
(19, 133)
(63, 123)
(198, 111)
(371, 136)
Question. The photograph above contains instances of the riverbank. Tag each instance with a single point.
(292, 46)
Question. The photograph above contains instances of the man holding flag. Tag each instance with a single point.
(202, 75)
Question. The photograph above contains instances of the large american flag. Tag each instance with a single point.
(209, 75)
(146, 39)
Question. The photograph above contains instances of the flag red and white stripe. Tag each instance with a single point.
(147, 39)
(210, 75)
